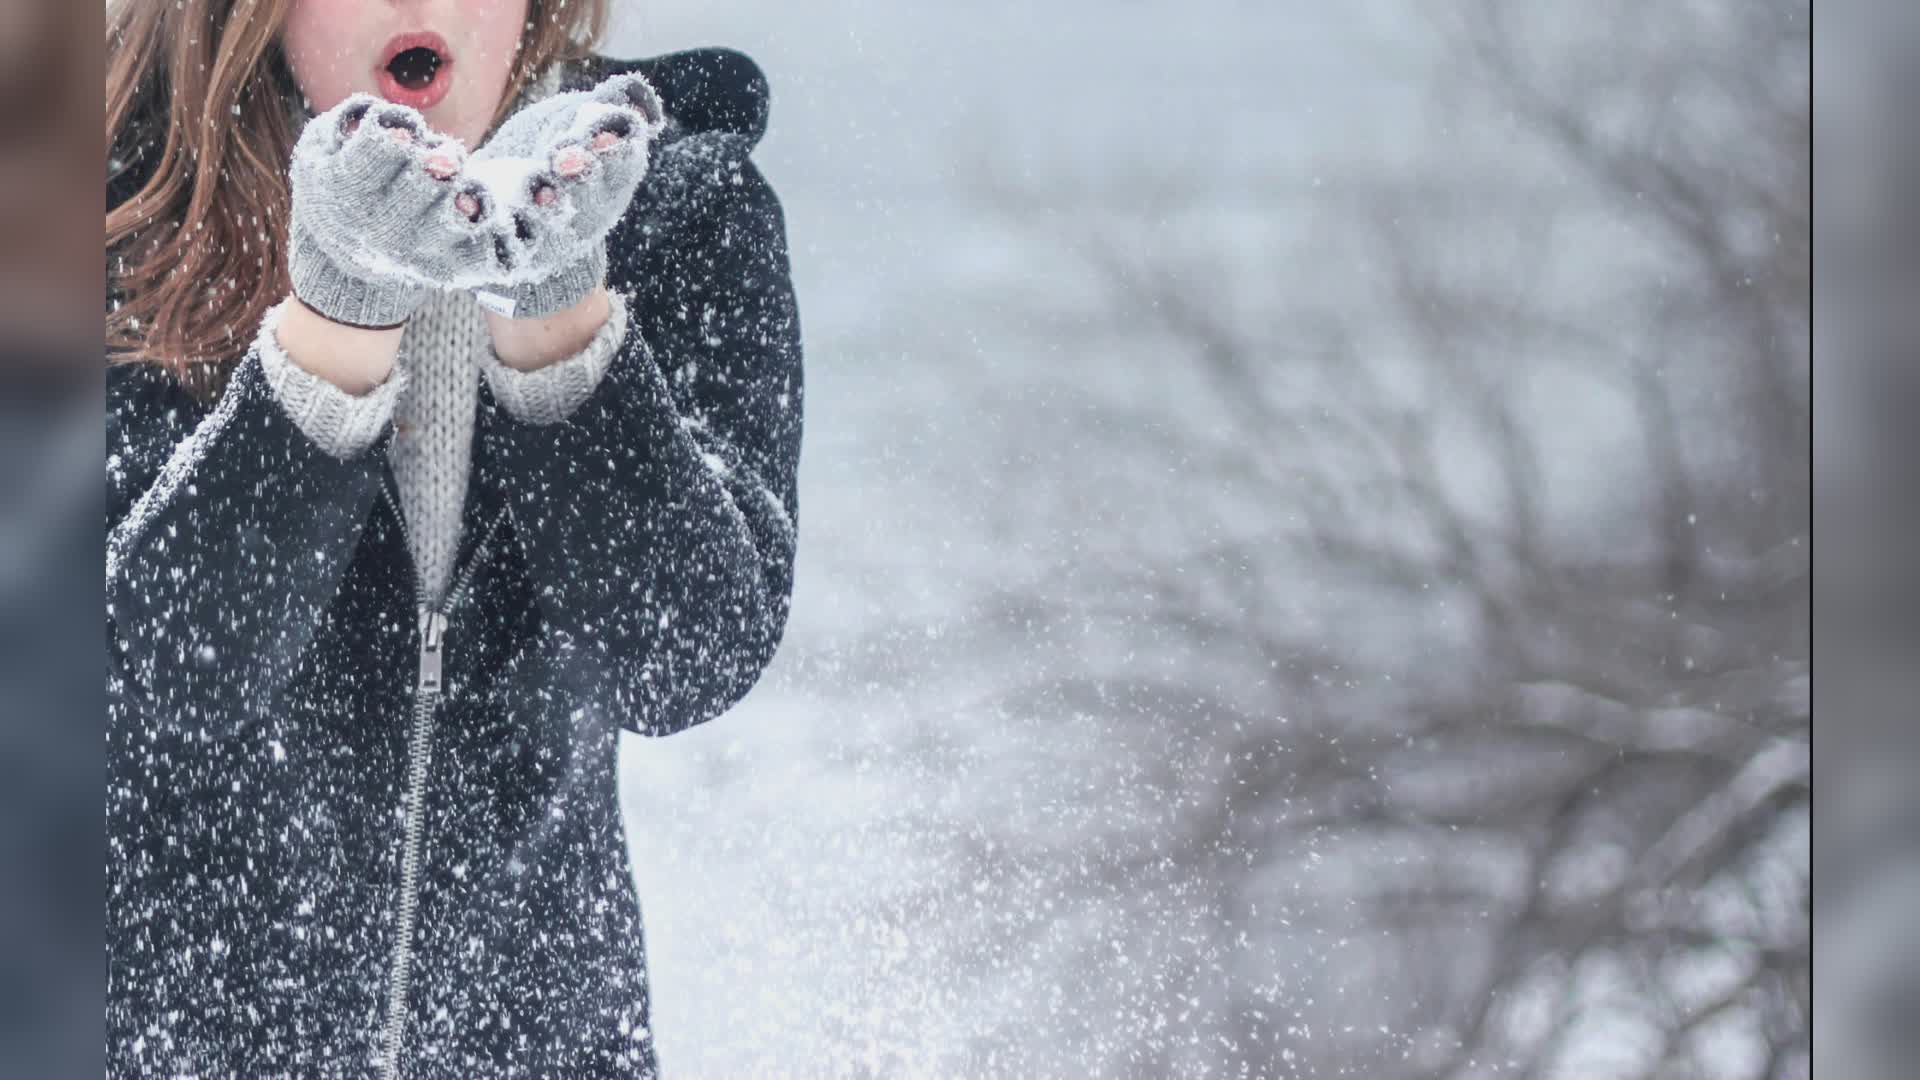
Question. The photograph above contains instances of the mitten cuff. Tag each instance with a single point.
(347, 298)
(342, 424)
(564, 289)
(550, 394)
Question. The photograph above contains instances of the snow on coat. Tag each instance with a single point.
(629, 567)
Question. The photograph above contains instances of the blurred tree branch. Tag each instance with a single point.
(1632, 720)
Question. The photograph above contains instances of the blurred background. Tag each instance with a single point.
(52, 652)
(1305, 552)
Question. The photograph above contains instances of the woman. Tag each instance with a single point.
(388, 570)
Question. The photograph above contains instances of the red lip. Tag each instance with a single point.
(427, 96)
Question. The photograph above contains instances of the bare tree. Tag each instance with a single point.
(1616, 720)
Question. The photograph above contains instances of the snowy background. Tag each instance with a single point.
(1303, 550)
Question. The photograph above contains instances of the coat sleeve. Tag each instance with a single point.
(658, 518)
(228, 532)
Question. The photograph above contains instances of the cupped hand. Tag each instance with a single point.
(556, 178)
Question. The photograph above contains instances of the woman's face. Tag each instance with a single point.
(450, 59)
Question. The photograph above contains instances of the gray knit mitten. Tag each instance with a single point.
(560, 173)
(382, 212)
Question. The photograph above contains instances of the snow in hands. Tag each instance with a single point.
(391, 205)
(563, 171)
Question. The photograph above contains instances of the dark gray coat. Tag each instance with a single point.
(274, 708)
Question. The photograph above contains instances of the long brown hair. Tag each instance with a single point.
(198, 96)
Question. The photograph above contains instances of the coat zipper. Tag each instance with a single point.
(426, 694)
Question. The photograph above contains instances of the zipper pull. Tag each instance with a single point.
(433, 636)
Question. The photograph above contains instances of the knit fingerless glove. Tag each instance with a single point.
(377, 217)
(561, 172)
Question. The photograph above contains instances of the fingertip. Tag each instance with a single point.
(442, 164)
(400, 117)
(469, 205)
(634, 92)
(572, 162)
(352, 112)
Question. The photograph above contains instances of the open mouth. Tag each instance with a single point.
(414, 70)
